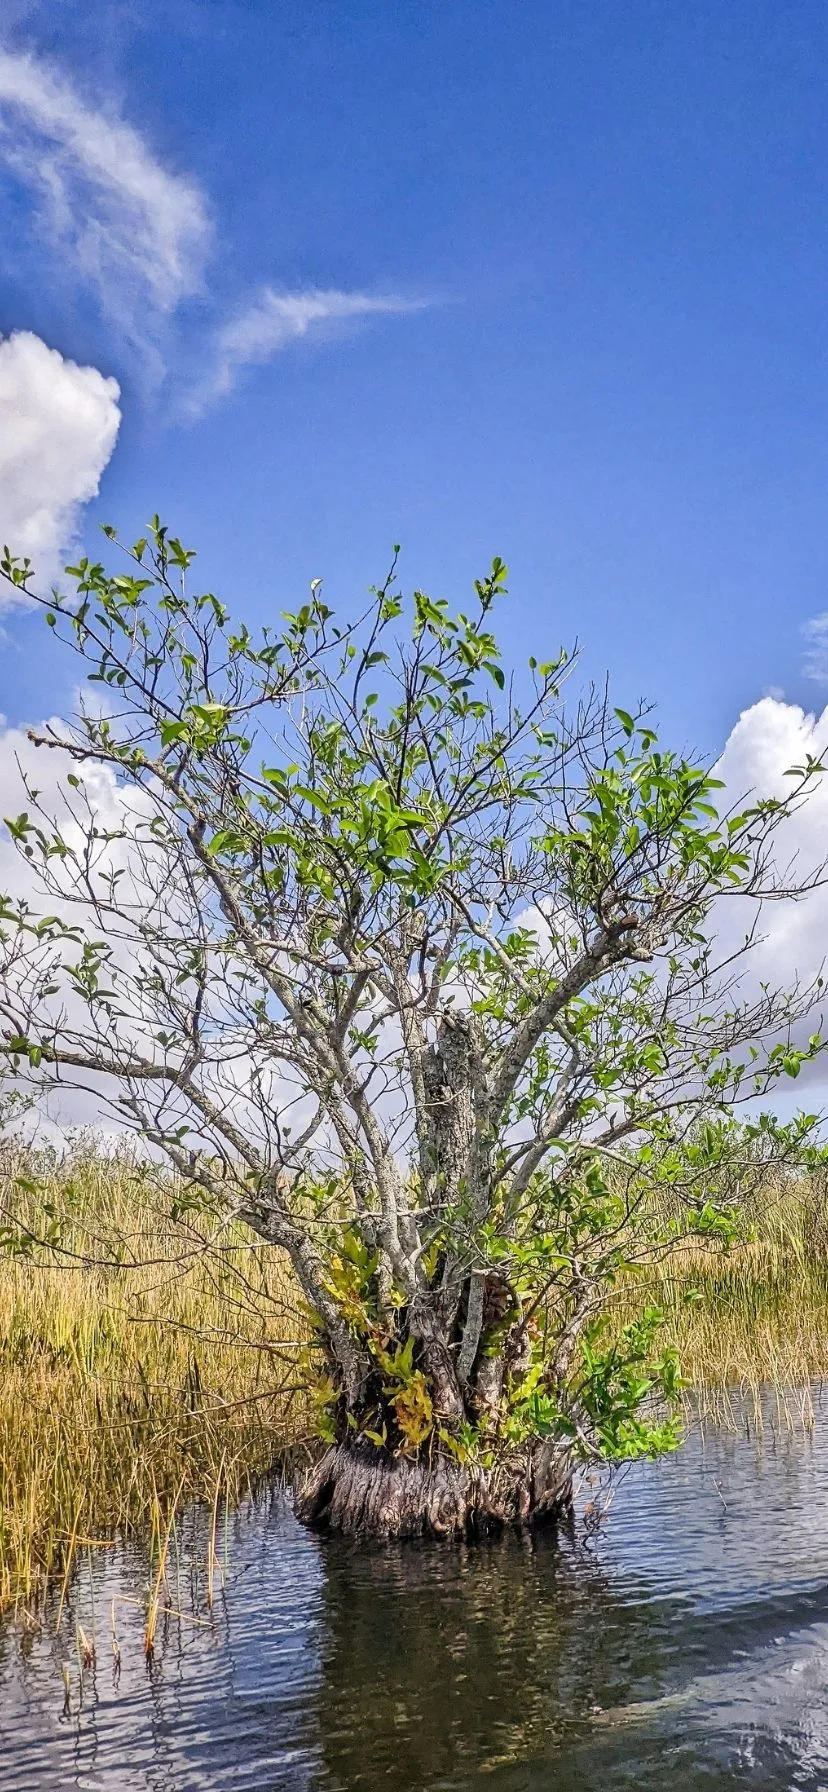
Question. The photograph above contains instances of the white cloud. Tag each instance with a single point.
(58, 425)
(768, 740)
(275, 319)
(138, 232)
(790, 936)
(770, 737)
(22, 763)
(815, 658)
(119, 816)
(20, 760)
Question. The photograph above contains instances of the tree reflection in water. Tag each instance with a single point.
(438, 1664)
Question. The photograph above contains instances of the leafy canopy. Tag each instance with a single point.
(412, 960)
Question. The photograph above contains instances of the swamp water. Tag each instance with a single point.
(684, 1644)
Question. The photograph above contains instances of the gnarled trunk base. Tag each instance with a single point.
(363, 1491)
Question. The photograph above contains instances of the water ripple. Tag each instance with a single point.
(685, 1643)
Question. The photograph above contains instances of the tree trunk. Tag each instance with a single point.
(362, 1491)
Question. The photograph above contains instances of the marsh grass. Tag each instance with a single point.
(150, 1362)
(145, 1362)
(751, 1318)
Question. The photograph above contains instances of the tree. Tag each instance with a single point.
(411, 964)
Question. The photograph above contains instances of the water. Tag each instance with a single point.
(685, 1645)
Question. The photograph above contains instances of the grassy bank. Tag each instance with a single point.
(755, 1314)
(147, 1361)
(153, 1374)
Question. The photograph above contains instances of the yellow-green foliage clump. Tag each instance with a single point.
(141, 1357)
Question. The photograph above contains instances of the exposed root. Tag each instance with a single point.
(363, 1491)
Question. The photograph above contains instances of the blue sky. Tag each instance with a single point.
(572, 262)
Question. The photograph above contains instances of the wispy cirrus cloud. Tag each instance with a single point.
(135, 230)
(815, 657)
(276, 319)
(141, 235)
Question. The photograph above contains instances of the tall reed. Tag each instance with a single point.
(755, 1314)
(140, 1355)
(148, 1359)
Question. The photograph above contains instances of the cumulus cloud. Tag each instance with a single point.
(21, 762)
(96, 806)
(58, 426)
(769, 739)
(275, 319)
(140, 233)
